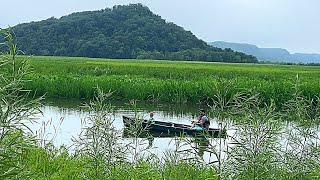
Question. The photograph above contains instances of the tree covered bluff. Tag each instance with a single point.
(124, 31)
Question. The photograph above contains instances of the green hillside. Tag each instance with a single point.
(129, 31)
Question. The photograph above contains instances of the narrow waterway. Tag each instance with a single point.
(63, 120)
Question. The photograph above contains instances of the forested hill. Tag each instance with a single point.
(129, 31)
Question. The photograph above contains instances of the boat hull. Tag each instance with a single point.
(169, 129)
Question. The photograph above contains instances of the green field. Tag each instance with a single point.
(99, 150)
(167, 81)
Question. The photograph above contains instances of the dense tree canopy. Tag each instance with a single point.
(129, 31)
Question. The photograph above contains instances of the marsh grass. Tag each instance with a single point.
(275, 150)
(16, 109)
(256, 108)
(259, 144)
(99, 138)
(301, 148)
(255, 154)
(166, 81)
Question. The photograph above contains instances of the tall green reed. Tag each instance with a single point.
(301, 150)
(99, 139)
(16, 108)
(140, 141)
(254, 154)
(263, 142)
(165, 81)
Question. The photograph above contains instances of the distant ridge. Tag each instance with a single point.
(122, 32)
(269, 54)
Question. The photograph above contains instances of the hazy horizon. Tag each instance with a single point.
(286, 24)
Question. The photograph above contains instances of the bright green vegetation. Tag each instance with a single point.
(169, 81)
(43, 163)
(128, 32)
(97, 155)
(260, 147)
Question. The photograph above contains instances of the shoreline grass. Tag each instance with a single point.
(166, 81)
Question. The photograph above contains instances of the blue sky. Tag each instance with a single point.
(290, 24)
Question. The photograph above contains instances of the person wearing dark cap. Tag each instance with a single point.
(202, 123)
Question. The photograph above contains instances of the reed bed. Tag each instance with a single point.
(167, 81)
(98, 155)
(42, 163)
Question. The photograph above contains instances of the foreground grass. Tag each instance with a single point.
(41, 163)
(169, 81)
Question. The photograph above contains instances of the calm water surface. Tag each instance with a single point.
(64, 120)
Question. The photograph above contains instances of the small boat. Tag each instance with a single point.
(169, 129)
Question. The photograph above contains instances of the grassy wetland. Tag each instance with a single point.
(254, 100)
(167, 81)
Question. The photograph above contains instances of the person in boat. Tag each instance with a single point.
(202, 123)
(150, 120)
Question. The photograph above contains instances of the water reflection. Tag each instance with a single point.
(73, 117)
(169, 110)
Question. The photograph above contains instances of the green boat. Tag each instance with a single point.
(169, 129)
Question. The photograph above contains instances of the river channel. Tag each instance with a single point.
(63, 120)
